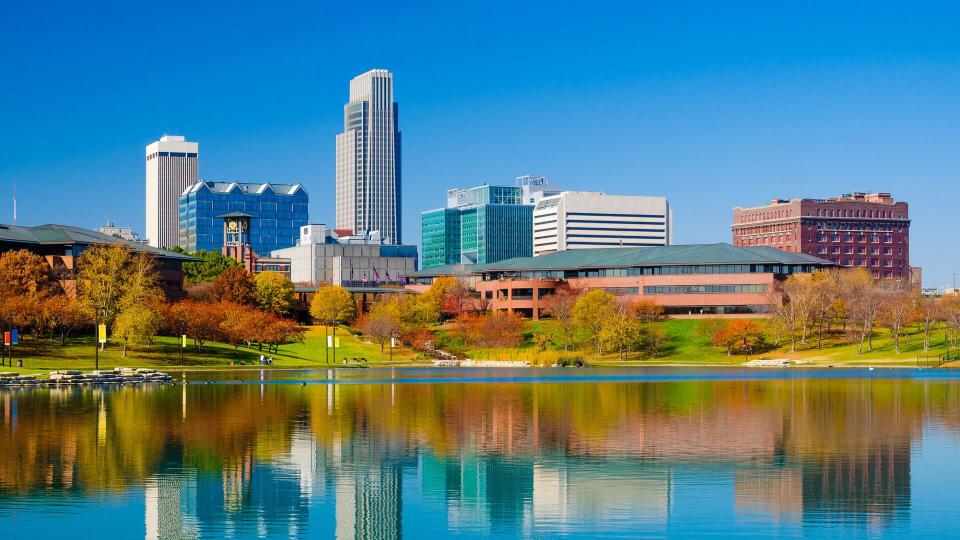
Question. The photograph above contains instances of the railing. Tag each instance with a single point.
(937, 360)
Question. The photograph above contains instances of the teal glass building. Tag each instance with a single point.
(277, 212)
(480, 225)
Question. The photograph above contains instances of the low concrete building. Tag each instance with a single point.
(341, 258)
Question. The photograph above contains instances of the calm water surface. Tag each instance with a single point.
(478, 453)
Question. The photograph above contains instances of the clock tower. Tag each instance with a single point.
(236, 239)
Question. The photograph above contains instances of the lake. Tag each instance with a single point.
(473, 453)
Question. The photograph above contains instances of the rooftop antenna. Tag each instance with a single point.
(14, 203)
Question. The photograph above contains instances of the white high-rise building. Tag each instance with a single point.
(578, 219)
(171, 167)
(368, 158)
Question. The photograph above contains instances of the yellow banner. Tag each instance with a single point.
(102, 333)
(183, 341)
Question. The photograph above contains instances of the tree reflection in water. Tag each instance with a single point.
(478, 458)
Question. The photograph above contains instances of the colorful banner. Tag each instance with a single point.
(6, 338)
(15, 337)
(183, 341)
(102, 333)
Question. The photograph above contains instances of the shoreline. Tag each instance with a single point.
(868, 366)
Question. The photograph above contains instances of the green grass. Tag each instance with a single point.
(686, 346)
(40, 355)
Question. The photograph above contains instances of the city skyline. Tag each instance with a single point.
(713, 109)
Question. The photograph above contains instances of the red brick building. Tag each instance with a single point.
(867, 230)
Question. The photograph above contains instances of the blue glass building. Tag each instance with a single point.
(277, 210)
(480, 225)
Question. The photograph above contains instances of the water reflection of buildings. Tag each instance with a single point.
(367, 472)
(233, 497)
(495, 459)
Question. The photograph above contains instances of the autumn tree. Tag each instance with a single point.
(137, 323)
(381, 326)
(862, 300)
(622, 333)
(654, 340)
(742, 336)
(281, 331)
(111, 280)
(101, 272)
(23, 273)
(273, 293)
(824, 300)
(646, 311)
(788, 314)
(203, 321)
(430, 303)
(559, 306)
(333, 305)
(928, 313)
(896, 310)
(65, 315)
(798, 294)
(592, 311)
(175, 320)
(233, 285)
(458, 299)
(950, 310)
(495, 330)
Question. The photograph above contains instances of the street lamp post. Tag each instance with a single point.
(102, 316)
(334, 343)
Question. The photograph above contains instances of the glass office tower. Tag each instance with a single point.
(480, 225)
(277, 212)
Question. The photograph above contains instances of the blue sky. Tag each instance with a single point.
(711, 105)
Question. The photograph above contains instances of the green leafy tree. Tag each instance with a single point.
(273, 293)
(211, 264)
(592, 312)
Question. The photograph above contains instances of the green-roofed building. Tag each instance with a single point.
(61, 245)
(687, 280)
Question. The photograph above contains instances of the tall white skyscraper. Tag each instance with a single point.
(368, 158)
(171, 167)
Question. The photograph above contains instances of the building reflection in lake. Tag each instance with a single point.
(347, 460)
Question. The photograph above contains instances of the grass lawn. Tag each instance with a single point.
(43, 355)
(686, 346)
